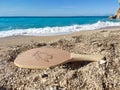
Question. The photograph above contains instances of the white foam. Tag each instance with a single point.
(57, 30)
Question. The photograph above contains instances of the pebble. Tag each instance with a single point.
(102, 62)
(36, 78)
(63, 83)
(43, 80)
(44, 75)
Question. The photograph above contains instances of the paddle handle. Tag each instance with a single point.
(80, 57)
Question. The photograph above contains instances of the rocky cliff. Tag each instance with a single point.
(117, 15)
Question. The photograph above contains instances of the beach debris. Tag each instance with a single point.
(40, 58)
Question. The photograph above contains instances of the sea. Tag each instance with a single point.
(45, 26)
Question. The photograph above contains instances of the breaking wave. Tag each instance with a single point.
(58, 30)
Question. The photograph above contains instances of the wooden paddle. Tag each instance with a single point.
(40, 58)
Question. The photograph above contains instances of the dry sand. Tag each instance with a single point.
(102, 75)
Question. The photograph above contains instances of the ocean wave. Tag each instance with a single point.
(58, 30)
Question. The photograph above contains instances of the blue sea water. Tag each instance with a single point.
(39, 26)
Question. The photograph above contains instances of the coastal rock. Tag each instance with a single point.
(117, 15)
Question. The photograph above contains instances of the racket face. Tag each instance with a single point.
(42, 58)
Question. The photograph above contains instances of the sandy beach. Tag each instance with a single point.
(101, 75)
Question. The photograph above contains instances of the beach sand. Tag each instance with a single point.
(101, 75)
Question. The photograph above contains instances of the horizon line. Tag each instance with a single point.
(60, 16)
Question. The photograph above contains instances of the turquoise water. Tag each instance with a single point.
(40, 22)
(48, 25)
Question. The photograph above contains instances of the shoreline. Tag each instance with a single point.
(58, 30)
(23, 39)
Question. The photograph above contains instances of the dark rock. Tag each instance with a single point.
(44, 75)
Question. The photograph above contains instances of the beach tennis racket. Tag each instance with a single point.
(40, 58)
